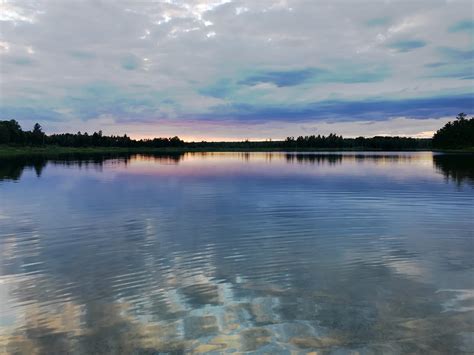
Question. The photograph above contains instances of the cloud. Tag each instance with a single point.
(340, 74)
(378, 21)
(460, 71)
(344, 110)
(282, 78)
(25, 113)
(462, 26)
(221, 89)
(264, 79)
(407, 45)
(455, 63)
(130, 62)
(152, 63)
(456, 54)
(78, 54)
(20, 60)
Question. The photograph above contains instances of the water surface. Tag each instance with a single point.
(237, 252)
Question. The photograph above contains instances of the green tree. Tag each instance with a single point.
(11, 133)
(4, 133)
(37, 135)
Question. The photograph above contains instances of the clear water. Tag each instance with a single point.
(235, 252)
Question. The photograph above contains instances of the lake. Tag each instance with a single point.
(368, 252)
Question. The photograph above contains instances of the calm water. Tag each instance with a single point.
(235, 252)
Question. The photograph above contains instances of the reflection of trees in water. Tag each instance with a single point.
(382, 158)
(456, 167)
(338, 158)
(331, 159)
(12, 168)
(167, 158)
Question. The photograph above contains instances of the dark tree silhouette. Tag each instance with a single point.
(37, 135)
(457, 134)
(11, 133)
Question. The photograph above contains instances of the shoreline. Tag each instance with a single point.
(9, 151)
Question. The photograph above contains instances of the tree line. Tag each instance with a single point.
(454, 135)
(11, 133)
(333, 141)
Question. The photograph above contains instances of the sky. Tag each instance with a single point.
(236, 69)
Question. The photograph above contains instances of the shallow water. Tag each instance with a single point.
(235, 252)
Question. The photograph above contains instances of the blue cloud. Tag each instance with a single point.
(78, 54)
(128, 106)
(454, 63)
(407, 45)
(221, 89)
(463, 71)
(435, 64)
(28, 113)
(20, 60)
(378, 21)
(281, 78)
(344, 110)
(341, 74)
(350, 74)
(456, 54)
(462, 26)
(98, 98)
(130, 62)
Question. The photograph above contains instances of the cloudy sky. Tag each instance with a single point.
(236, 69)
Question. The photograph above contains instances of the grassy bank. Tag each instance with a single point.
(7, 151)
(463, 150)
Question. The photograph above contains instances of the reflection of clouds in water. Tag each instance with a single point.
(460, 300)
(209, 315)
(202, 311)
(408, 268)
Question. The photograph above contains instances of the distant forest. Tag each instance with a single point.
(458, 134)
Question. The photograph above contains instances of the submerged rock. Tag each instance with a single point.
(254, 338)
(316, 342)
(197, 327)
(263, 310)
